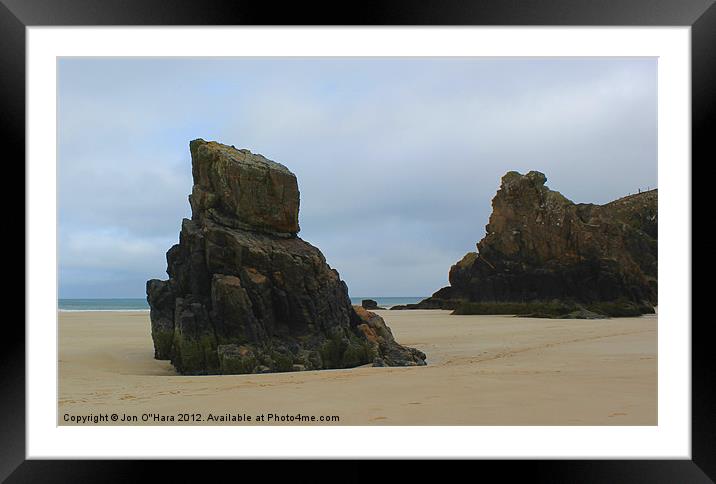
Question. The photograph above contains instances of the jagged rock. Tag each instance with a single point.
(386, 350)
(245, 294)
(540, 246)
(161, 301)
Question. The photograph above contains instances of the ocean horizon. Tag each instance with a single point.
(140, 304)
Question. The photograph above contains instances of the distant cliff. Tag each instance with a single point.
(540, 246)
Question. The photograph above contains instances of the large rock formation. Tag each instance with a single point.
(540, 246)
(245, 294)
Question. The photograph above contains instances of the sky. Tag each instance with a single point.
(397, 159)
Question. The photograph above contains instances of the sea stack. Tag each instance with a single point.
(542, 247)
(245, 294)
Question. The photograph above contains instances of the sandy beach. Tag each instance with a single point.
(482, 370)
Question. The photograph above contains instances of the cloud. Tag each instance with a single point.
(397, 159)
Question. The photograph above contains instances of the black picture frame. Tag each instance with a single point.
(16, 15)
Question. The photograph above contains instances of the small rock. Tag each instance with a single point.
(370, 304)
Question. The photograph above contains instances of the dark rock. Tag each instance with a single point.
(540, 246)
(428, 303)
(162, 303)
(532, 309)
(370, 304)
(383, 347)
(584, 314)
(245, 294)
(556, 309)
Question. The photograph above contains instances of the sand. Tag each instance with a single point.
(482, 370)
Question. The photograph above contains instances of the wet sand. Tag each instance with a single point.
(482, 370)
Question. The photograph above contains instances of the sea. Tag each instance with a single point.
(140, 304)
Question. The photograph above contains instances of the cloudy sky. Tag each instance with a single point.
(397, 159)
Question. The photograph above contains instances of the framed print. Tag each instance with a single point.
(412, 232)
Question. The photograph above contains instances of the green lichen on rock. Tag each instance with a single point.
(520, 308)
(281, 362)
(236, 360)
(195, 356)
(557, 309)
(163, 343)
(357, 353)
(620, 309)
(332, 351)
